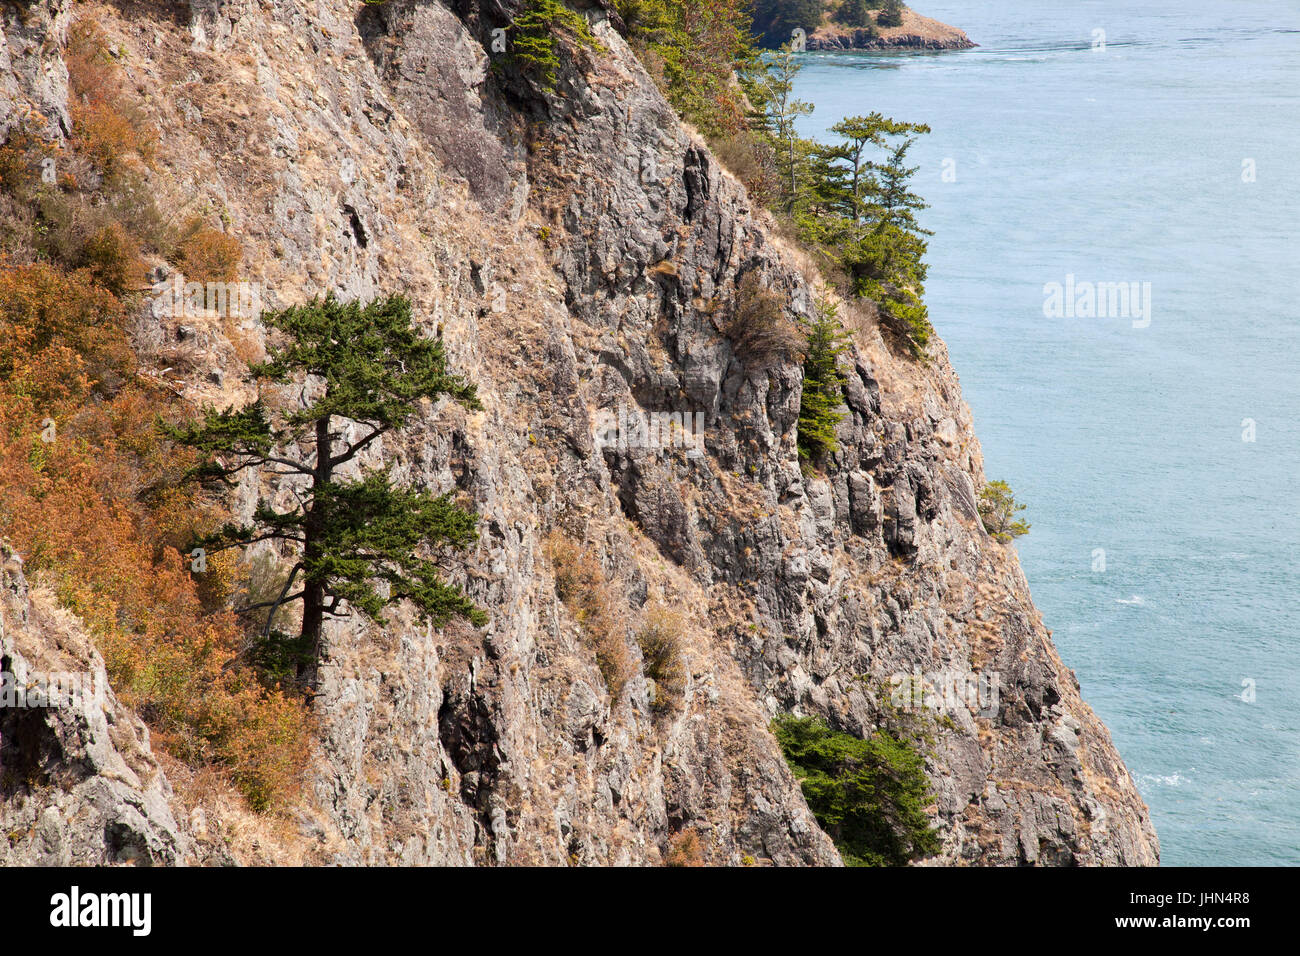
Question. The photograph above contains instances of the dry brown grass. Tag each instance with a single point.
(762, 331)
(226, 831)
(752, 161)
(107, 126)
(661, 654)
(684, 849)
(581, 585)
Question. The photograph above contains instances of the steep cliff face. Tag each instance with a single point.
(581, 252)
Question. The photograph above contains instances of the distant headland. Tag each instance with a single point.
(854, 25)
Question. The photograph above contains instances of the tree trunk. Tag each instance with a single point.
(313, 619)
(313, 598)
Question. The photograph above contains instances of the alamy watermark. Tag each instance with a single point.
(178, 299)
(133, 911)
(947, 691)
(56, 689)
(1101, 300)
(628, 429)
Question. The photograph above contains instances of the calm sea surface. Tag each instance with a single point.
(1164, 544)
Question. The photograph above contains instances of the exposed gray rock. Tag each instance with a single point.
(33, 77)
(78, 783)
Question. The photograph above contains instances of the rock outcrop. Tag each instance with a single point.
(579, 252)
(78, 782)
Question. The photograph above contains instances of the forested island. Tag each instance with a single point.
(853, 24)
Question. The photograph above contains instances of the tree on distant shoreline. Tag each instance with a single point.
(776, 20)
(853, 13)
(891, 14)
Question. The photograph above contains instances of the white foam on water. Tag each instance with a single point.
(1161, 780)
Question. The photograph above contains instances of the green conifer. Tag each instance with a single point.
(357, 540)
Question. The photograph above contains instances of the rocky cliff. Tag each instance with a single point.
(579, 252)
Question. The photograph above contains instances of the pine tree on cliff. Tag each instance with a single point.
(823, 385)
(860, 187)
(533, 36)
(356, 539)
(884, 249)
(783, 111)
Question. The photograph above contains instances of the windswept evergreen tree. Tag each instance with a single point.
(870, 796)
(823, 385)
(358, 540)
(998, 509)
(898, 204)
(783, 111)
(860, 187)
(883, 248)
(849, 201)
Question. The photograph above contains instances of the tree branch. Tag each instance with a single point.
(269, 536)
(275, 607)
(270, 618)
(352, 451)
(276, 603)
(260, 459)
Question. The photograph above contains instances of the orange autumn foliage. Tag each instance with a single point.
(99, 512)
(208, 255)
(104, 125)
(42, 307)
(22, 155)
(90, 494)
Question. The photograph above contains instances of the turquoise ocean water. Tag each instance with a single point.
(1127, 164)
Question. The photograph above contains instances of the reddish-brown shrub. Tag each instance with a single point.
(113, 257)
(751, 160)
(207, 255)
(580, 584)
(684, 849)
(96, 507)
